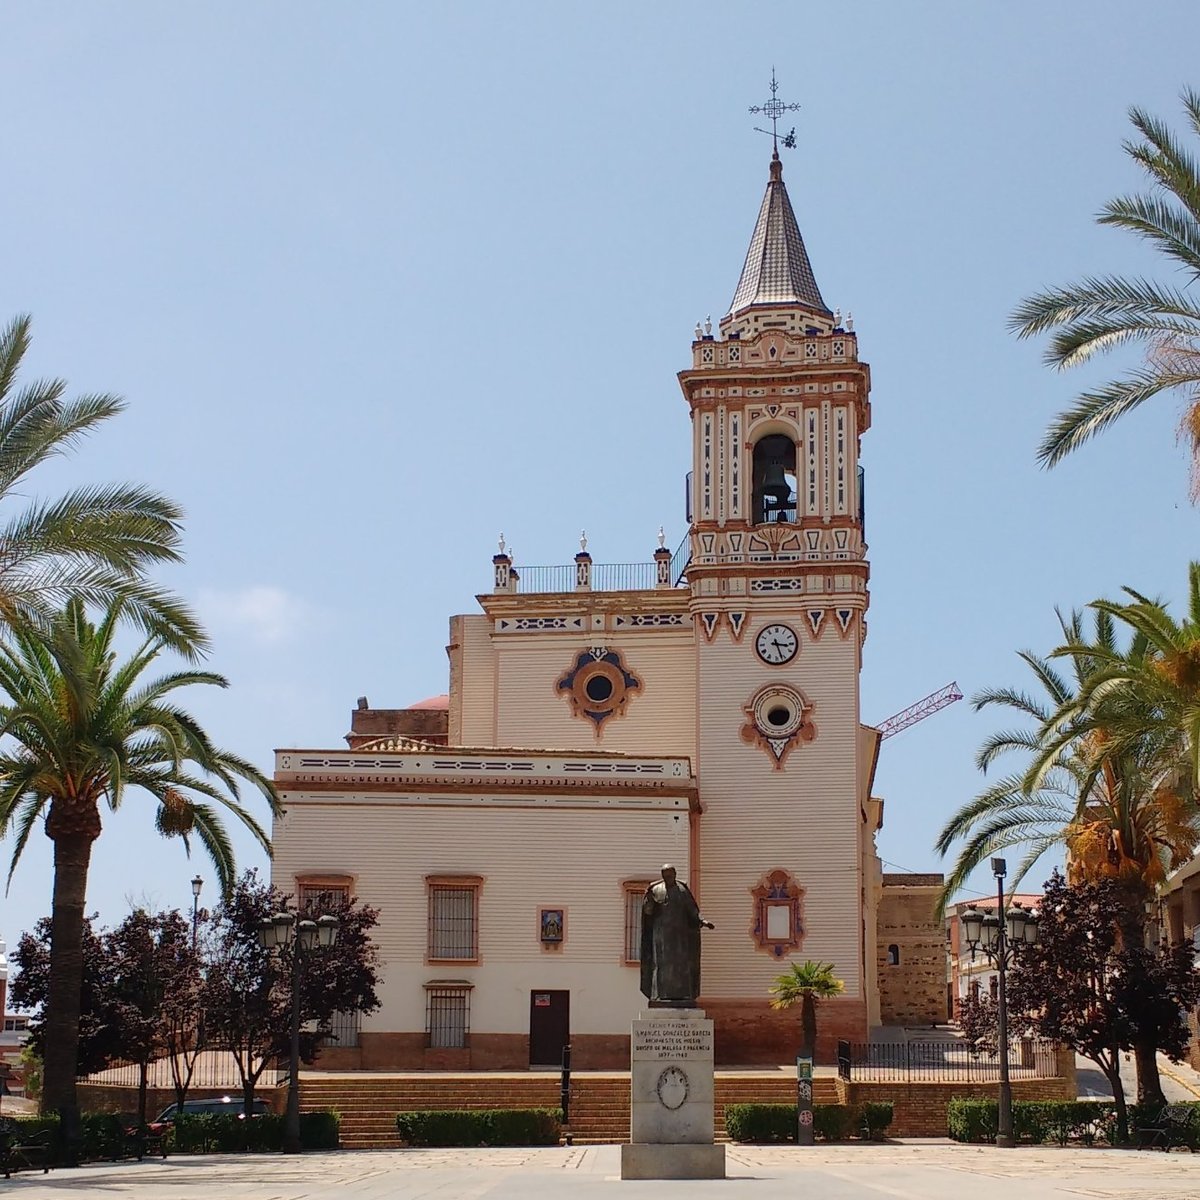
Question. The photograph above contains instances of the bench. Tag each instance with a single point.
(1174, 1125)
(141, 1140)
(20, 1151)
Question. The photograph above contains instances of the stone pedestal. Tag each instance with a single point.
(671, 1096)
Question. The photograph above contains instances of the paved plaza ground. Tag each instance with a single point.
(890, 1171)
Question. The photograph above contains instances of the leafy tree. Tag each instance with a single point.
(83, 730)
(99, 1042)
(1082, 986)
(93, 543)
(978, 1022)
(156, 976)
(1101, 313)
(247, 991)
(805, 984)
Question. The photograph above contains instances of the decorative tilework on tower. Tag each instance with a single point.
(777, 270)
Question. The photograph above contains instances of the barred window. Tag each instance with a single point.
(634, 892)
(447, 1014)
(316, 899)
(453, 919)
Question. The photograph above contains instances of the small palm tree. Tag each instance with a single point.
(804, 984)
(1101, 313)
(81, 731)
(94, 542)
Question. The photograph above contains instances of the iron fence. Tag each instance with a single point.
(605, 577)
(944, 1061)
(214, 1069)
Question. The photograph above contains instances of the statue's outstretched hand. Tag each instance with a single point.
(707, 925)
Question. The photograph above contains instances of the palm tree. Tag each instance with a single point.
(1100, 313)
(804, 984)
(95, 541)
(81, 730)
(1099, 780)
(1094, 779)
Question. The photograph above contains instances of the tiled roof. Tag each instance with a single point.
(777, 270)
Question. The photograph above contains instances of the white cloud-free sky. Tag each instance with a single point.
(379, 280)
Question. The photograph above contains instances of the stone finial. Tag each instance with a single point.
(707, 326)
(699, 331)
(662, 538)
(503, 548)
(837, 318)
(849, 322)
(583, 541)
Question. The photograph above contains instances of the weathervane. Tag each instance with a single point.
(774, 109)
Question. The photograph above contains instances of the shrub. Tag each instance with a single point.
(480, 1127)
(523, 1127)
(834, 1122)
(762, 1123)
(971, 1120)
(1036, 1121)
(321, 1130)
(771, 1123)
(874, 1118)
(227, 1133)
(103, 1135)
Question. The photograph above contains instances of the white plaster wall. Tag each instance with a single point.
(804, 819)
(574, 859)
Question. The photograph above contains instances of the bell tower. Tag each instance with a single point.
(778, 578)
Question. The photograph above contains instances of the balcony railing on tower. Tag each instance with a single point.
(666, 570)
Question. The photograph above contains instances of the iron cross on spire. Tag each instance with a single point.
(774, 109)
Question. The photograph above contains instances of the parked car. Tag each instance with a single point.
(214, 1104)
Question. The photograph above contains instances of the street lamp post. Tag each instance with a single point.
(1000, 937)
(293, 940)
(197, 884)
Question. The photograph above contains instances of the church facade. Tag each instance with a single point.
(701, 710)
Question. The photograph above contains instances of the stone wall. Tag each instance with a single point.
(911, 951)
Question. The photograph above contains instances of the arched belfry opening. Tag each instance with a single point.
(774, 479)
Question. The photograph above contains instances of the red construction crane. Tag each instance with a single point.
(932, 703)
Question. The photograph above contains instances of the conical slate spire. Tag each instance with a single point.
(777, 270)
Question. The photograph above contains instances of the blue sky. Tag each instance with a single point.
(380, 280)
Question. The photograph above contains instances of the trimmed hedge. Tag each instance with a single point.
(772, 1123)
(103, 1135)
(226, 1133)
(1058, 1121)
(480, 1127)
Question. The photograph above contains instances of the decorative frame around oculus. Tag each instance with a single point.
(778, 719)
(598, 685)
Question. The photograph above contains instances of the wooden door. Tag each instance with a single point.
(549, 1027)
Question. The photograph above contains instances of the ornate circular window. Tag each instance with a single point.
(778, 718)
(598, 685)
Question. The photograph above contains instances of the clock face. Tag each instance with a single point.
(777, 644)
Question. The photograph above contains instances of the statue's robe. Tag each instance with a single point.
(670, 946)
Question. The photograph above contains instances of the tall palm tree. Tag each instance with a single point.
(804, 984)
(94, 542)
(80, 730)
(1100, 313)
(1098, 780)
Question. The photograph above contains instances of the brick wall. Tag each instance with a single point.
(920, 1108)
(912, 991)
(422, 724)
(105, 1097)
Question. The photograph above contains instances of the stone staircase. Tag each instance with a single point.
(369, 1102)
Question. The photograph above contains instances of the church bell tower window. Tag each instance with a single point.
(774, 479)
